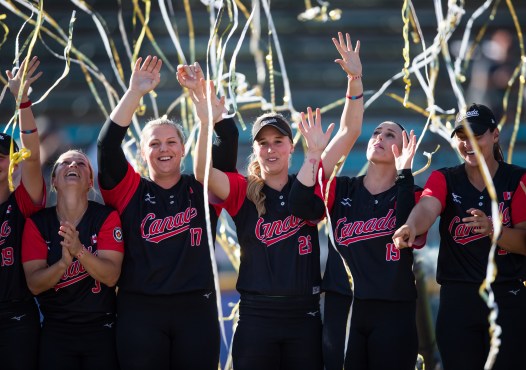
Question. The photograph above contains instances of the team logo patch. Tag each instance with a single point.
(346, 202)
(117, 234)
(507, 195)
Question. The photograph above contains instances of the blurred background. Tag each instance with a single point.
(285, 63)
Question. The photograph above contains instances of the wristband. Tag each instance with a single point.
(29, 131)
(352, 78)
(25, 105)
(81, 253)
(403, 174)
(354, 97)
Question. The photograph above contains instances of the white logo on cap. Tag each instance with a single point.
(470, 113)
(267, 121)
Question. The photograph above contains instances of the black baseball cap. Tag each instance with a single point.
(275, 121)
(479, 117)
(5, 144)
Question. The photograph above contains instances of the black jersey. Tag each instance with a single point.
(280, 254)
(165, 235)
(77, 297)
(463, 254)
(13, 213)
(363, 225)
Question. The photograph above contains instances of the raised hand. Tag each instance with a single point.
(200, 99)
(311, 129)
(404, 159)
(146, 76)
(189, 76)
(14, 77)
(350, 61)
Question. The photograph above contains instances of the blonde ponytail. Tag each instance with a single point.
(255, 186)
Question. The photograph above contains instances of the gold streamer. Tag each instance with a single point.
(15, 159)
(405, 50)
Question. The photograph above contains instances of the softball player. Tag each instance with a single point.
(279, 276)
(19, 317)
(167, 314)
(459, 196)
(72, 255)
(364, 212)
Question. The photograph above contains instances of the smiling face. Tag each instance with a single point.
(162, 148)
(272, 150)
(73, 169)
(379, 146)
(485, 141)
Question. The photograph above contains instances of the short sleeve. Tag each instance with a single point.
(110, 234)
(436, 186)
(33, 244)
(237, 195)
(120, 195)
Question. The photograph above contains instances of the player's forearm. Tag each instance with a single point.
(224, 150)
(513, 240)
(350, 127)
(422, 216)
(308, 172)
(104, 270)
(201, 147)
(45, 278)
(123, 112)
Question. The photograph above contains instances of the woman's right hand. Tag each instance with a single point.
(404, 237)
(146, 76)
(14, 78)
(311, 129)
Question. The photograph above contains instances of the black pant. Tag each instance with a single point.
(78, 346)
(167, 332)
(462, 327)
(272, 336)
(335, 313)
(19, 335)
(383, 336)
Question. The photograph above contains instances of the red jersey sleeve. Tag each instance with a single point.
(120, 195)
(238, 192)
(518, 202)
(436, 187)
(320, 192)
(33, 244)
(110, 234)
(26, 205)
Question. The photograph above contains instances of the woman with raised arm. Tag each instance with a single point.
(363, 212)
(166, 300)
(19, 317)
(459, 196)
(279, 276)
(72, 255)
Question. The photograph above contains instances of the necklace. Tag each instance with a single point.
(75, 222)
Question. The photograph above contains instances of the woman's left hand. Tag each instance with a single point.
(478, 220)
(311, 129)
(71, 238)
(404, 159)
(200, 98)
